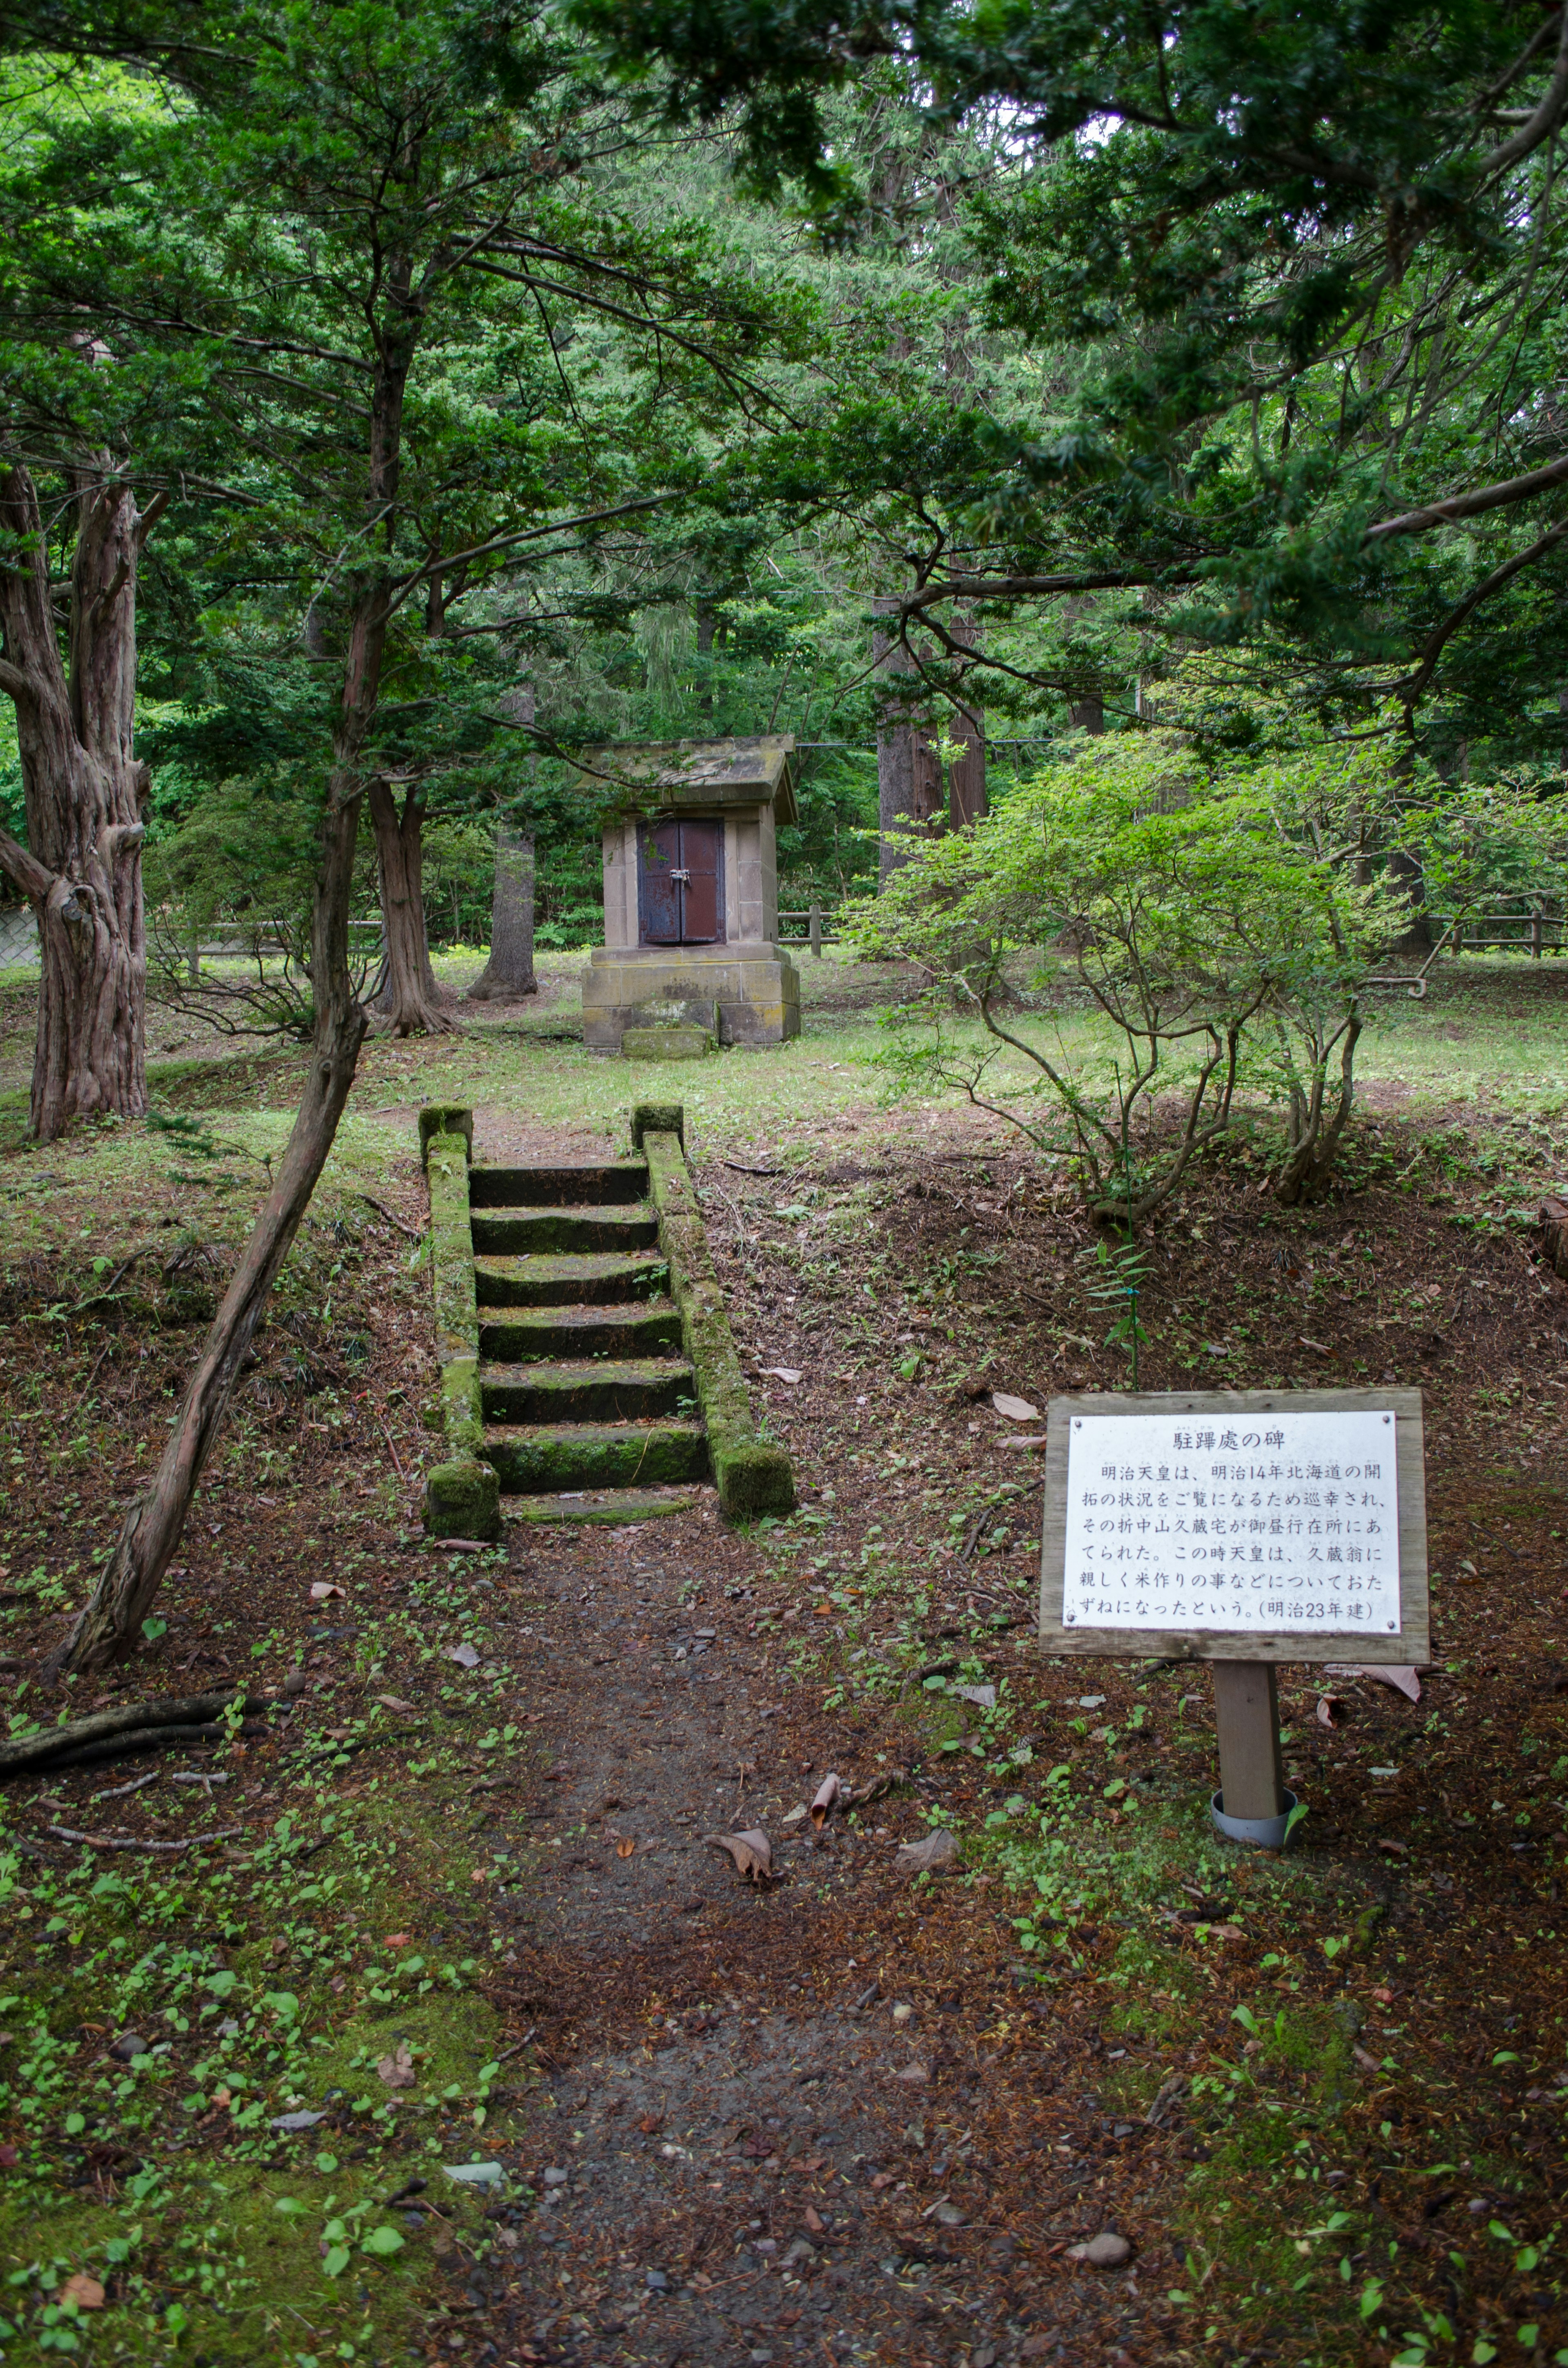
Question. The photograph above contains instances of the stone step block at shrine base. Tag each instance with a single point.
(691, 894)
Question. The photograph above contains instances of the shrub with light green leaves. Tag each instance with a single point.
(1217, 921)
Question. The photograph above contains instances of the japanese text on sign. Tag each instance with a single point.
(1268, 1521)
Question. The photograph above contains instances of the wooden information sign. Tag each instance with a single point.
(1244, 1528)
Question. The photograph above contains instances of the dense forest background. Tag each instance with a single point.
(1119, 392)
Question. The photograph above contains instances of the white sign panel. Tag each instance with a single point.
(1278, 1520)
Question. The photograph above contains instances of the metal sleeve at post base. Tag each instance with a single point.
(1260, 1833)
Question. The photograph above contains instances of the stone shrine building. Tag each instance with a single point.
(691, 898)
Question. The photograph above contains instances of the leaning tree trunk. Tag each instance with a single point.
(84, 791)
(509, 972)
(109, 1625)
(411, 1000)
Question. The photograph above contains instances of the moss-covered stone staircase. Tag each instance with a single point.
(583, 1384)
(588, 1371)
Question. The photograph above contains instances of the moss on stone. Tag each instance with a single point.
(594, 1389)
(587, 1278)
(462, 1499)
(754, 1475)
(463, 1495)
(445, 1119)
(658, 1118)
(667, 1044)
(522, 1233)
(534, 1460)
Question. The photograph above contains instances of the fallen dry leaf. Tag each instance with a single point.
(814, 2220)
(321, 1590)
(1331, 1711)
(626, 1849)
(463, 1654)
(752, 1852)
(827, 1793)
(882, 2179)
(1368, 2062)
(84, 2291)
(1016, 1409)
(1402, 1679)
(928, 1857)
(399, 1940)
(781, 1373)
(397, 2071)
(391, 1701)
(648, 2124)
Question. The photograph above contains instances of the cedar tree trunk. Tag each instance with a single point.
(81, 868)
(410, 1000)
(966, 775)
(909, 778)
(509, 972)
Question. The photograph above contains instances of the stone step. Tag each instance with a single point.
(594, 1183)
(600, 1277)
(522, 1231)
(622, 1389)
(539, 1458)
(596, 1504)
(636, 1330)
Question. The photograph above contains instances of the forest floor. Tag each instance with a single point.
(463, 1909)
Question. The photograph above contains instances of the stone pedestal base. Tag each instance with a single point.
(746, 993)
(667, 1044)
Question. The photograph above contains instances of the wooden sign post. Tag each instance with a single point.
(1244, 1528)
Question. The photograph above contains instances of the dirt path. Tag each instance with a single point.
(764, 2134)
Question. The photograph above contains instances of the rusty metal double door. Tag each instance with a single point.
(681, 883)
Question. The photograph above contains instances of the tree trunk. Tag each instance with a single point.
(81, 868)
(909, 778)
(410, 1000)
(509, 972)
(109, 1625)
(966, 775)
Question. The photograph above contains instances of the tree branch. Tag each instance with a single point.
(1458, 506)
(31, 877)
(150, 516)
(1411, 689)
(1546, 117)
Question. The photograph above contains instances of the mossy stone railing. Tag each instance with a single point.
(754, 1475)
(462, 1494)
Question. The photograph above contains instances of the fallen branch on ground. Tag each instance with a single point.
(112, 1842)
(150, 1721)
(206, 1738)
(414, 1232)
